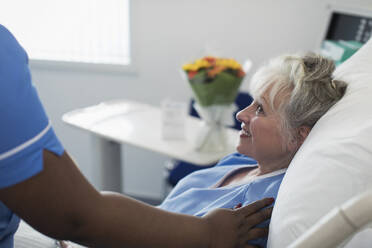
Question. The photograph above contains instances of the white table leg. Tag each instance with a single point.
(107, 164)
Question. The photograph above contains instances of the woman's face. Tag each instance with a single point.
(261, 137)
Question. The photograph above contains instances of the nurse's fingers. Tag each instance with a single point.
(260, 216)
(255, 206)
(256, 233)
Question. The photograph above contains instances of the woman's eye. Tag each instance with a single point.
(259, 109)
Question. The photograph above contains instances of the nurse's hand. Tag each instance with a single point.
(238, 225)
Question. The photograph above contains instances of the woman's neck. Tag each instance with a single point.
(265, 167)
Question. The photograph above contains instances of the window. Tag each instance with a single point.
(86, 31)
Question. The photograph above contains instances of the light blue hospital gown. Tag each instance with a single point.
(24, 128)
(196, 194)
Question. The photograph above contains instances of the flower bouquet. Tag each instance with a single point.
(215, 83)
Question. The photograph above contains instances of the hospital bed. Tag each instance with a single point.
(339, 225)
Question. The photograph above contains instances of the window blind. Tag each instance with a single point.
(89, 31)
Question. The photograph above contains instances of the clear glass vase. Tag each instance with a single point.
(211, 136)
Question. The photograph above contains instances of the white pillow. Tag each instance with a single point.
(335, 162)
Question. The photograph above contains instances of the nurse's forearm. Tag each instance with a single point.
(119, 220)
(61, 203)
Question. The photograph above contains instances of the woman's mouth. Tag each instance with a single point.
(246, 133)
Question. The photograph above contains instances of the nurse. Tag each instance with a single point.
(41, 184)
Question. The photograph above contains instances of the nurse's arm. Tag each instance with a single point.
(61, 203)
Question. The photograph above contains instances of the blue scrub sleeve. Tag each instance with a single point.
(25, 130)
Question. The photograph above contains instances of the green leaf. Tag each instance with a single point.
(222, 90)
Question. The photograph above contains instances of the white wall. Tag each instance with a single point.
(169, 33)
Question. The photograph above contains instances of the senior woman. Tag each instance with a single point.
(290, 94)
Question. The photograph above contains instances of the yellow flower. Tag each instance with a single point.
(187, 67)
(197, 65)
(201, 63)
(228, 63)
(214, 65)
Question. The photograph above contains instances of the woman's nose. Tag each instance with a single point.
(243, 115)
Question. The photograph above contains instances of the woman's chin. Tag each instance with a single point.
(247, 151)
(241, 150)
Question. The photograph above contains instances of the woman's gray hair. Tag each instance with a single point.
(305, 83)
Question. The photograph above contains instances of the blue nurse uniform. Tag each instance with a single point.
(25, 130)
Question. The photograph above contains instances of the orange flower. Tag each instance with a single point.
(191, 74)
(240, 73)
(210, 59)
(214, 71)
